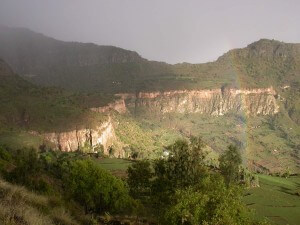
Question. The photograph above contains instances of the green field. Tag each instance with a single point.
(114, 164)
(276, 199)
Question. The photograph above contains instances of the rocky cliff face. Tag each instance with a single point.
(68, 141)
(215, 102)
(118, 105)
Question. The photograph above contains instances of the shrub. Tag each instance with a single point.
(96, 189)
(210, 203)
(27, 167)
(230, 162)
(139, 175)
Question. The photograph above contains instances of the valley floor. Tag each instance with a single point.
(276, 199)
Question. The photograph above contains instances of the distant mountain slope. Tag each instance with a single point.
(26, 106)
(90, 67)
(25, 47)
(260, 64)
(273, 140)
(51, 62)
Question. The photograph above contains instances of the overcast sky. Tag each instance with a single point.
(164, 30)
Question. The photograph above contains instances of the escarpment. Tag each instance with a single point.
(214, 102)
(118, 105)
(87, 139)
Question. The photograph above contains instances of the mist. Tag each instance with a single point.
(173, 31)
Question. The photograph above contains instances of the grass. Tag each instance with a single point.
(114, 164)
(276, 199)
(19, 139)
(18, 206)
(266, 140)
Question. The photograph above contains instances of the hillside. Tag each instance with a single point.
(48, 61)
(249, 97)
(30, 107)
(91, 67)
(27, 110)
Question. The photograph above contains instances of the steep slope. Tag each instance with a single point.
(20, 206)
(256, 89)
(48, 61)
(213, 102)
(31, 114)
(90, 67)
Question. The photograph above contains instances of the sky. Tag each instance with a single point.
(172, 31)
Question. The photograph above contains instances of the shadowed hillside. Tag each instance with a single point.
(269, 132)
(89, 67)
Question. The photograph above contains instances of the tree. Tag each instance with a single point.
(27, 167)
(230, 162)
(96, 189)
(185, 164)
(139, 176)
(182, 169)
(209, 203)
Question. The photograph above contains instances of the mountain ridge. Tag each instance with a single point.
(88, 67)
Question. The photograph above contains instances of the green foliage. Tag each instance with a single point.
(99, 149)
(5, 158)
(26, 167)
(96, 189)
(210, 202)
(185, 164)
(248, 178)
(72, 179)
(182, 190)
(275, 199)
(230, 162)
(139, 178)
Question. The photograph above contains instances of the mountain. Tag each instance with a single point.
(249, 97)
(52, 62)
(29, 107)
(90, 67)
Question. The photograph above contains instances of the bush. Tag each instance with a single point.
(210, 203)
(139, 175)
(27, 167)
(96, 189)
(230, 162)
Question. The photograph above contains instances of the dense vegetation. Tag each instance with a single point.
(183, 189)
(277, 198)
(105, 69)
(74, 183)
(83, 188)
(173, 181)
(24, 105)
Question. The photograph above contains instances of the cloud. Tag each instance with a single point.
(164, 30)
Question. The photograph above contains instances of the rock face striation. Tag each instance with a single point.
(102, 135)
(214, 102)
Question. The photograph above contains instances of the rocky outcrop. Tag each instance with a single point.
(80, 139)
(215, 102)
(118, 105)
